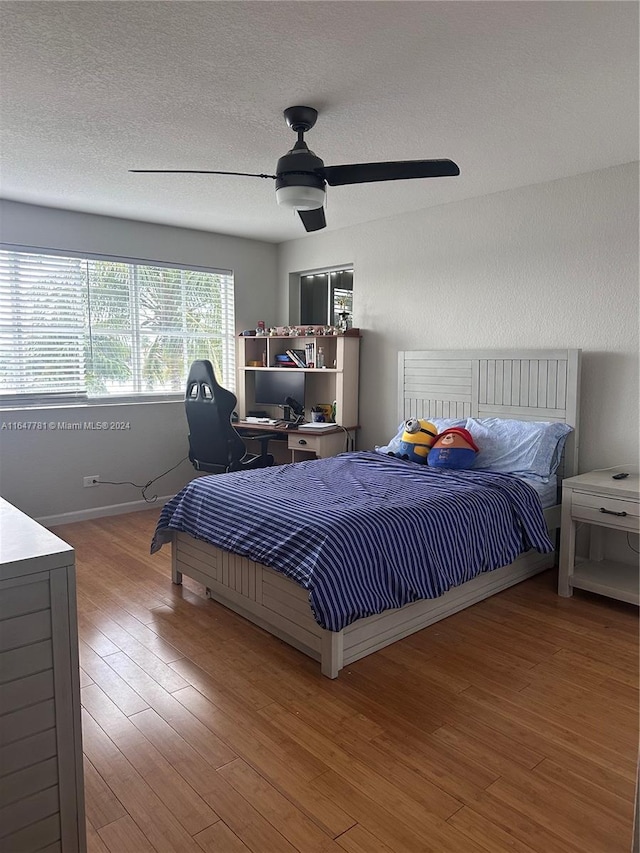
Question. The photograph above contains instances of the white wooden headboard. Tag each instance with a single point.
(534, 385)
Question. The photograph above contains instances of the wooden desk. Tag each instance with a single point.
(298, 444)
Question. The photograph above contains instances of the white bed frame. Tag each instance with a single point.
(527, 384)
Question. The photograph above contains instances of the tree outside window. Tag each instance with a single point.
(109, 328)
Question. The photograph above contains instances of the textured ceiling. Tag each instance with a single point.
(515, 92)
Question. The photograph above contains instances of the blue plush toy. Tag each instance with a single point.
(453, 448)
(417, 438)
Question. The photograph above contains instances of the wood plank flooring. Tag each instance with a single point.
(512, 726)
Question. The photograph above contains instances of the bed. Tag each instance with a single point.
(299, 607)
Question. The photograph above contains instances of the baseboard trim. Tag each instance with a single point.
(100, 512)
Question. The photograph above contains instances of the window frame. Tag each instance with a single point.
(57, 400)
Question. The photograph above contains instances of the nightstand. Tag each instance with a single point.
(603, 503)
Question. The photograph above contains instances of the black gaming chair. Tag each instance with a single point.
(214, 445)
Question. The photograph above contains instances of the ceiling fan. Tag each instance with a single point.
(301, 176)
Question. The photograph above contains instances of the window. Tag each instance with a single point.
(325, 295)
(80, 327)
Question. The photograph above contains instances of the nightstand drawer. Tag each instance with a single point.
(599, 509)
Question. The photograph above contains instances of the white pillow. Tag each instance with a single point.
(526, 448)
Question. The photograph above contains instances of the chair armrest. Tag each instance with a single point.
(263, 438)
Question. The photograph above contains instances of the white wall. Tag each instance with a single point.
(550, 265)
(41, 471)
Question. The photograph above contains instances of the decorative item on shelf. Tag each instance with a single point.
(328, 330)
(310, 331)
(260, 329)
(294, 332)
(272, 331)
(248, 333)
(344, 316)
(328, 411)
(320, 357)
(344, 323)
(254, 363)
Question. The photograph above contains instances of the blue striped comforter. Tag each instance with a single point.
(363, 532)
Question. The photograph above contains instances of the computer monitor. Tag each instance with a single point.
(274, 386)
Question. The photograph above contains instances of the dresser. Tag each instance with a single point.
(597, 500)
(41, 778)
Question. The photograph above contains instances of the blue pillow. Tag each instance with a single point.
(527, 448)
(439, 423)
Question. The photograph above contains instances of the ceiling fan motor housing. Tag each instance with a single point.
(299, 181)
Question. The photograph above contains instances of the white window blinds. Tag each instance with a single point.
(75, 327)
(41, 325)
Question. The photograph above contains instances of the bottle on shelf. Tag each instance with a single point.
(320, 357)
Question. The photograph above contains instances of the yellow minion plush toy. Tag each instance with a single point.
(417, 438)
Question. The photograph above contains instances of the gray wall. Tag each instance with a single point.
(41, 471)
(544, 266)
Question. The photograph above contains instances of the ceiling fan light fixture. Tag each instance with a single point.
(300, 198)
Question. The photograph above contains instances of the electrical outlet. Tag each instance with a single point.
(91, 481)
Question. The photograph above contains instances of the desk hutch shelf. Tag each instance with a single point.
(337, 381)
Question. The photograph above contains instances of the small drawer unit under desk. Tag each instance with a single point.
(602, 503)
(304, 445)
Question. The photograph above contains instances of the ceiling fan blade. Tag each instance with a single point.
(313, 220)
(399, 170)
(197, 172)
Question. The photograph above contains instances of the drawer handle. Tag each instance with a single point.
(304, 441)
(611, 512)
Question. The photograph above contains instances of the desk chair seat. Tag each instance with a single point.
(214, 445)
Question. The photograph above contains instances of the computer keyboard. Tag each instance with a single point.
(251, 420)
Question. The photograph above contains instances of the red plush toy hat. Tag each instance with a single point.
(462, 432)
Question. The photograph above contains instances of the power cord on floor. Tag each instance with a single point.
(349, 439)
(635, 550)
(629, 535)
(142, 488)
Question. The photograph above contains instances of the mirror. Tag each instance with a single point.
(324, 296)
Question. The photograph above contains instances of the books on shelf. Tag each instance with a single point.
(297, 356)
(310, 354)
